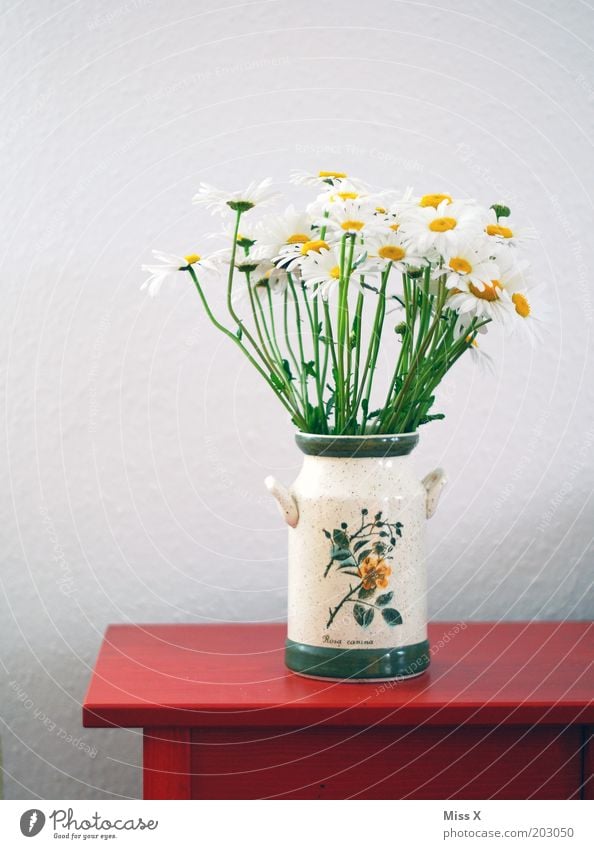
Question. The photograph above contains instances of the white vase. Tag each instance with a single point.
(357, 577)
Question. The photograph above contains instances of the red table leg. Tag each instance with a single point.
(166, 763)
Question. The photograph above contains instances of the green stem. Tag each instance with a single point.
(302, 374)
(330, 344)
(294, 412)
(312, 314)
(286, 329)
(419, 352)
(364, 390)
(334, 611)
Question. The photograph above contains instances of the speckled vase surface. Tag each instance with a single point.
(357, 578)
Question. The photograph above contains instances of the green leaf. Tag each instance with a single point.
(276, 381)
(239, 332)
(287, 370)
(327, 534)
(363, 615)
(378, 516)
(433, 417)
(501, 211)
(363, 593)
(341, 554)
(330, 404)
(363, 554)
(379, 548)
(341, 540)
(391, 616)
(384, 599)
(359, 544)
(310, 368)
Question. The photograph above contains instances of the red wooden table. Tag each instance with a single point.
(506, 711)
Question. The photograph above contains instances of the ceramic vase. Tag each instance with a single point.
(357, 576)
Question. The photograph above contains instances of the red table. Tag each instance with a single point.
(506, 711)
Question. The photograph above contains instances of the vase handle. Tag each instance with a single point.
(434, 482)
(284, 499)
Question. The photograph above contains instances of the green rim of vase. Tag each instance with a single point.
(373, 445)
(357, 664)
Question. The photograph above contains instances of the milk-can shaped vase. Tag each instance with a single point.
(357, 575)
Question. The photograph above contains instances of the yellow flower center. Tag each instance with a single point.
(488, 293)
(395, 227)
(297, 238)
(351, 224)
(335, 272)
(347, 195)
(434, 200)
(499, 230)
(461, 265)
(381, 210)
(316, 246)
(391, 252)
(440, 225)
(472, 341)
(521, 304)
(338, 175)
(192, 258)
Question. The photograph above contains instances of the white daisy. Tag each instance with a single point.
(321, 271)
(268, 274)
(245, 262)
(530, 313)
(218, 201)
(503, 232)
(492, 298)
(491, 301)
(354, 217)
(442, 228)
(285, 233)
(328, 178)
(479, 356)
(389, 247)
(530, 310)
(345, 191)
(170, 264)
(245, 238)
(293, 261)
(434, 200)
(469, 263)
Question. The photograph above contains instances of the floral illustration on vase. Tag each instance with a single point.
(365, 555)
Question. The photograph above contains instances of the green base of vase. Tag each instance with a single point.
(357, 664)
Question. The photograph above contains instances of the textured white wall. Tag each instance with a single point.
(136, 440)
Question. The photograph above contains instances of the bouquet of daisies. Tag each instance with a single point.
(313, 295)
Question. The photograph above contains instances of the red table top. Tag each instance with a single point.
(233, 675)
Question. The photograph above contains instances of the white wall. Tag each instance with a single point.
(137, 441)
